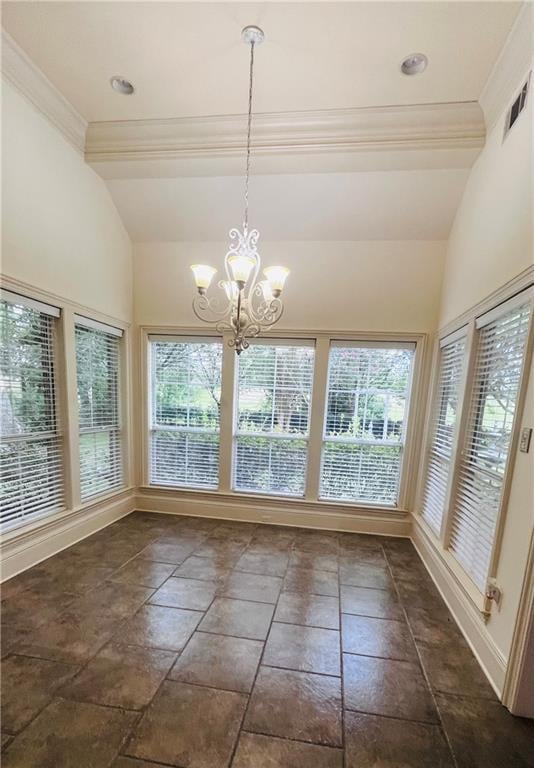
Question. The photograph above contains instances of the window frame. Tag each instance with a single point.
(67, 405)
(118, 431)
(55, 315)
(178, 339)
(344, 344)
(471, 322)
(271, 342)
(322, 339)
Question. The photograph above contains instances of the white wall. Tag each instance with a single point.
(61, 230)
(491, 242)
(363, 286)
(491, 238)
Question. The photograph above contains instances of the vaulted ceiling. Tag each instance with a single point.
(346, 146)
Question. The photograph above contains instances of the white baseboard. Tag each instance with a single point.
(290, 513)
(465, 613)
(29, 546)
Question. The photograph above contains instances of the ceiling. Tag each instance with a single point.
(186, 59)
(186, 62)
(405, 205)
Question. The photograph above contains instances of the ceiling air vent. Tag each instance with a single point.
(517, 107)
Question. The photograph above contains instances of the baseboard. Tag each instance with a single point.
(30, 546)
(465, 613)
(276, 512)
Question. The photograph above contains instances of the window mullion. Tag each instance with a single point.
(226, 419)
(317, 411)
(69, 409)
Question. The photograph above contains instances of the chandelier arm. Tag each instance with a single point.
(203, 305)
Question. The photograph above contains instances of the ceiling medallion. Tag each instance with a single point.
(248, 306)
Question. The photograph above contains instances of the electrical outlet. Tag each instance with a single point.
(524, 442)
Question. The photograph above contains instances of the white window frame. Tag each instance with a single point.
(500, 303)
(54, 313)
(67, 402)
(118, 430)
(148, 379)
(401, 444)
(322, 339)
(461, 333)
(236, 433)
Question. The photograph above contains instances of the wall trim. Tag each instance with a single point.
(467, 616)
(288, 512)
(28, 79)
(30, 545)
(512, 65)
(444, 126)
(519, 283)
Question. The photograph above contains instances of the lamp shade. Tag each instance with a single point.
(276, 277)
(241, 267)
(231, 289)
(203, 275)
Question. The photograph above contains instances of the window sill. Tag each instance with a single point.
(28, 528)
(277, 502)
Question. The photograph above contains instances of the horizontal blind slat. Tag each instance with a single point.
(97, 372)
(31, 452)
(443, 424)
(364, 423)
(493, 399)
(185, 402)
(273, 413)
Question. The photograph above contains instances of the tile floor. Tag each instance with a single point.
(167, 641)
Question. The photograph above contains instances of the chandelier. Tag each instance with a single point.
(245, 305)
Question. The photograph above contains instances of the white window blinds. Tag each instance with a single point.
(445, 413)
(500, 354)
(185, 403)
(31, 461)
(272, 421)
(366, 411)
(97, 372)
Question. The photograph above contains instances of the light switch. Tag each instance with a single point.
(526, 436)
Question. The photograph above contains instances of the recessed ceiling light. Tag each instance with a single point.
(414, 64)
(121, 85)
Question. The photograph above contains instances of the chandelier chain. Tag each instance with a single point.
(249, 127)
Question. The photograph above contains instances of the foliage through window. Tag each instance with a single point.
(272, 419)
(97, 372)
(31, 464)
(185, 404)
(366, 410)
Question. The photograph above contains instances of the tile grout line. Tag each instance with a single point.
(423, 671)
(342, 686)
(252, 687)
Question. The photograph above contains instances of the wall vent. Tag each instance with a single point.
(517, 107)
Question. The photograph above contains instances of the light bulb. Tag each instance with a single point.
(203, 276)
(241, 267)
(231, 289)
(276, 277)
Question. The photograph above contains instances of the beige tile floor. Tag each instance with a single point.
(167, 641)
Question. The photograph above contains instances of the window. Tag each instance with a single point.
(366, 411)
(31, 463)
(443, 428)
(185, 402)
(501, 345)
(97, 374)
(272, 420)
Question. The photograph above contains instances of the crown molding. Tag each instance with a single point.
(511, 67)
(27, 78)
(451, 126)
